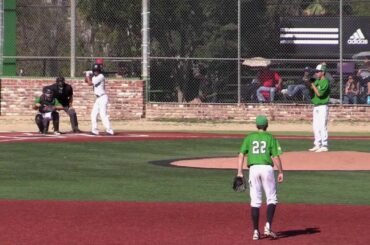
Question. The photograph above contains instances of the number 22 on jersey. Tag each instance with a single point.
(259, 147)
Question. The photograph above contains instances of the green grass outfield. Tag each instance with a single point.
(121, 171)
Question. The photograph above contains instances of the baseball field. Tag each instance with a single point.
(123, 189)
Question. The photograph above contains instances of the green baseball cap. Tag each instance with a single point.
(261, 120)
(320, 67)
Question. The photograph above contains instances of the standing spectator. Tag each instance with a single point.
(97, 80)
(47, 107)
(302, 88)
(64, 93)
(321, 93)
(351, 91)
(263, 152)
(270, 83)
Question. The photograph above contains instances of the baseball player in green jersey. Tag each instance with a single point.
(320, 99)
(263, 152)
(47, 107)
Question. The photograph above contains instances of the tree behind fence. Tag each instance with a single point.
(194, 44)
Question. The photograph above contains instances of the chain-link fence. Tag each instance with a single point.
(292, 36)
(1, 34)
(197, 47)
(102, 30)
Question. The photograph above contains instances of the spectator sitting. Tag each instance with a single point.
(301, 88)
(351, 92)
(364, 79)
(270, 83)
(368, 93)
(207, 92)
(122, 70)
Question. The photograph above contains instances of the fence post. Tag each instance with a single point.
(239, 53)
(145, 45)
(73, 38)
(341, 51)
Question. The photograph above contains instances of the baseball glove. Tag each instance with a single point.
(239, 184)
(46, 108)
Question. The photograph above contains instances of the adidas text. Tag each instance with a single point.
(357, 41)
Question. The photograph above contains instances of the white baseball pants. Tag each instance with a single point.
(320, 125)
(100, 108)
(262, 178)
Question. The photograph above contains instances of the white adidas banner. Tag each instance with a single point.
(320, 36)
(357, 38)
(309, 36)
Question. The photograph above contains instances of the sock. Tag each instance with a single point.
(270, 213)
(255, 217)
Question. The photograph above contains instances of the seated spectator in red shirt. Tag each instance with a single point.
(270, 83)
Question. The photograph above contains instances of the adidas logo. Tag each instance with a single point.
(357, 38)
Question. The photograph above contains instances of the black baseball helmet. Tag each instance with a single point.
(97, 68)
(48, 94)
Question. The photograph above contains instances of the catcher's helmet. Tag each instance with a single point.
(48, 94)
(97, 68)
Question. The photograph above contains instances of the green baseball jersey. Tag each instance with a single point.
(54, 102)
(260, 147)
(324, 89)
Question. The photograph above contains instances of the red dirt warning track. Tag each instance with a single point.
(66, 222)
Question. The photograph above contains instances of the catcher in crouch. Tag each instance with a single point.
(47, 107)
(263, 152)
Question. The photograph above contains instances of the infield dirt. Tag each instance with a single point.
(26, 124)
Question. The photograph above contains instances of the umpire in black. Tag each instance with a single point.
(64, 93)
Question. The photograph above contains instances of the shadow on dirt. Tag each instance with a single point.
(290, 233)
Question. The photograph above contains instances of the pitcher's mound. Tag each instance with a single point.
(300, 160)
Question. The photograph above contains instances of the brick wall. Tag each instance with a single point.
(126, 99)
(247, 112)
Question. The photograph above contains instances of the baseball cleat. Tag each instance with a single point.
(315, 148)
(110, 132)
(56, 133)
(95, 132)
(268, 232)
(322, 149)
(256, 235)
